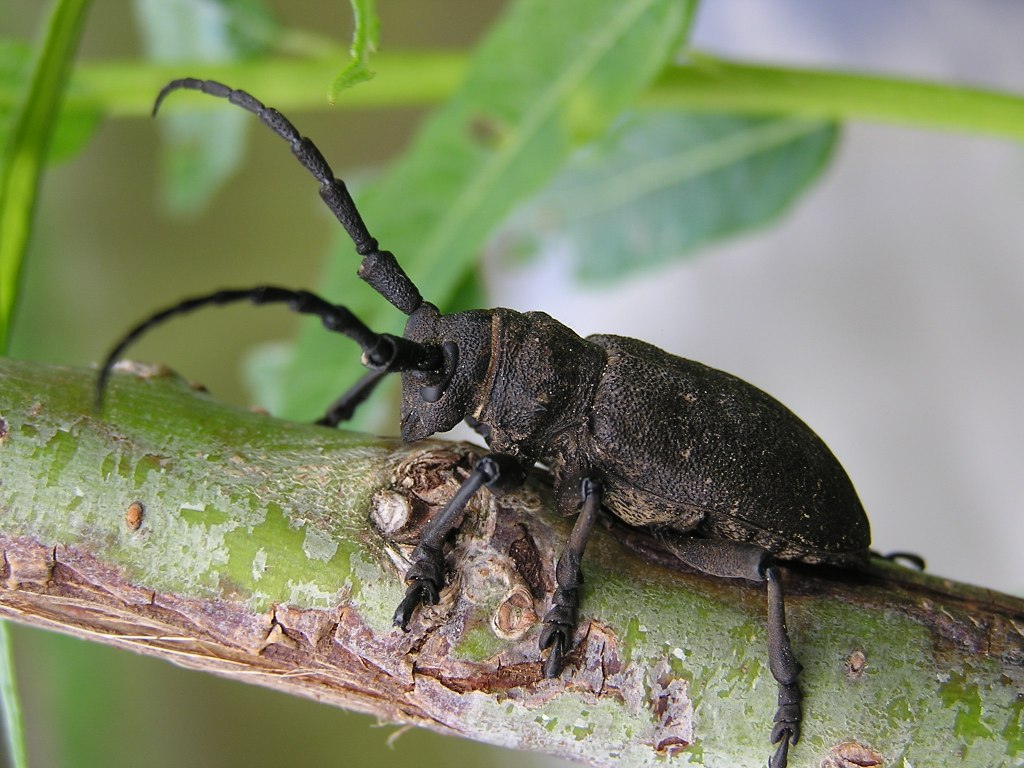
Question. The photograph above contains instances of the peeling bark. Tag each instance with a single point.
(272, 552)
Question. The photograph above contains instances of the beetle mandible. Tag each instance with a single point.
(724, 463)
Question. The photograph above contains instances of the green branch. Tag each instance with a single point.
(23, 148)
(713, 84)
(126, 88)
(272, 552)
(706, 83)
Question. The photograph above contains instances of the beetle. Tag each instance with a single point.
(654, 439)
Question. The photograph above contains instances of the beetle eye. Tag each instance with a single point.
(431, 393)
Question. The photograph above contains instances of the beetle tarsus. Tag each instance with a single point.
(788, 715)
(416, 594)
(425, 578)
(781, 756)
(559, 628)
(785, 669)
(906, 559)
(556, 659)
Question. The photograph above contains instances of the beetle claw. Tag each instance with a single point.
(785, 732)
(787, 716)
(557, 635)
(424, 577)
(419, 592)
(781, 756)
(555, 661)
(404, 611)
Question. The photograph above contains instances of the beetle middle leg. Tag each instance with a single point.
(740, 560)
(426, 575)
(560, 622)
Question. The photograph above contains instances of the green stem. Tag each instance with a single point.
(14, 733)
(713, 84)
(25, 148)
(126, 88)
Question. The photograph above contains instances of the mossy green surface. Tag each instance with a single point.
(244, 505)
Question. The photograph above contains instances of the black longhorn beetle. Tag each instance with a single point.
(654, 439)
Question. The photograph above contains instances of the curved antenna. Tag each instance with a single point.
(379, 268)
(382, 352)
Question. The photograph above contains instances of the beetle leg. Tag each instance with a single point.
(343, 408)
(560, 622)
(785, 669)
(906, 559)
(426, 575)
(739, 560)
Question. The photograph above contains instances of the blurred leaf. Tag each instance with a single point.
(205, 30)
(665, 183)
(25, 144)
(470, 294)
(74, 126)
(201, 149)
(546, 78)
(365, 39)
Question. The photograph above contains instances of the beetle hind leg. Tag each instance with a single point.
(740, 560)
(785, 669)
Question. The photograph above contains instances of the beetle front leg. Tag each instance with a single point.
(345, 406)
(426, 575)
(560, 622)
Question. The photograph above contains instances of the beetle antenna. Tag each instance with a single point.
(381, 351)
(379, 268)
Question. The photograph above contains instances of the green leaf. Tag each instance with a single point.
(665, 183)
(547, 77)
(201, 150)
(25, 146)
(365, 39)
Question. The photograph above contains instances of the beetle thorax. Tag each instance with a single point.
(519, 378)
(539, 382)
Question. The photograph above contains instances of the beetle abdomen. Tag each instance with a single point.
(734, 461)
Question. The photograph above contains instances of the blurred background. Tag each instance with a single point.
(885, 308)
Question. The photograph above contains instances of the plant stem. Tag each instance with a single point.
(273, 552)
(14, 732)
(705, 82)
(23, 148)
(712, 84)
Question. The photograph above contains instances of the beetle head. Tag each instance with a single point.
(437, 401)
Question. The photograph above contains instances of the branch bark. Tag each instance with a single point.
(229, 541)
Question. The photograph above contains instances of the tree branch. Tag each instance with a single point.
(272, 552)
